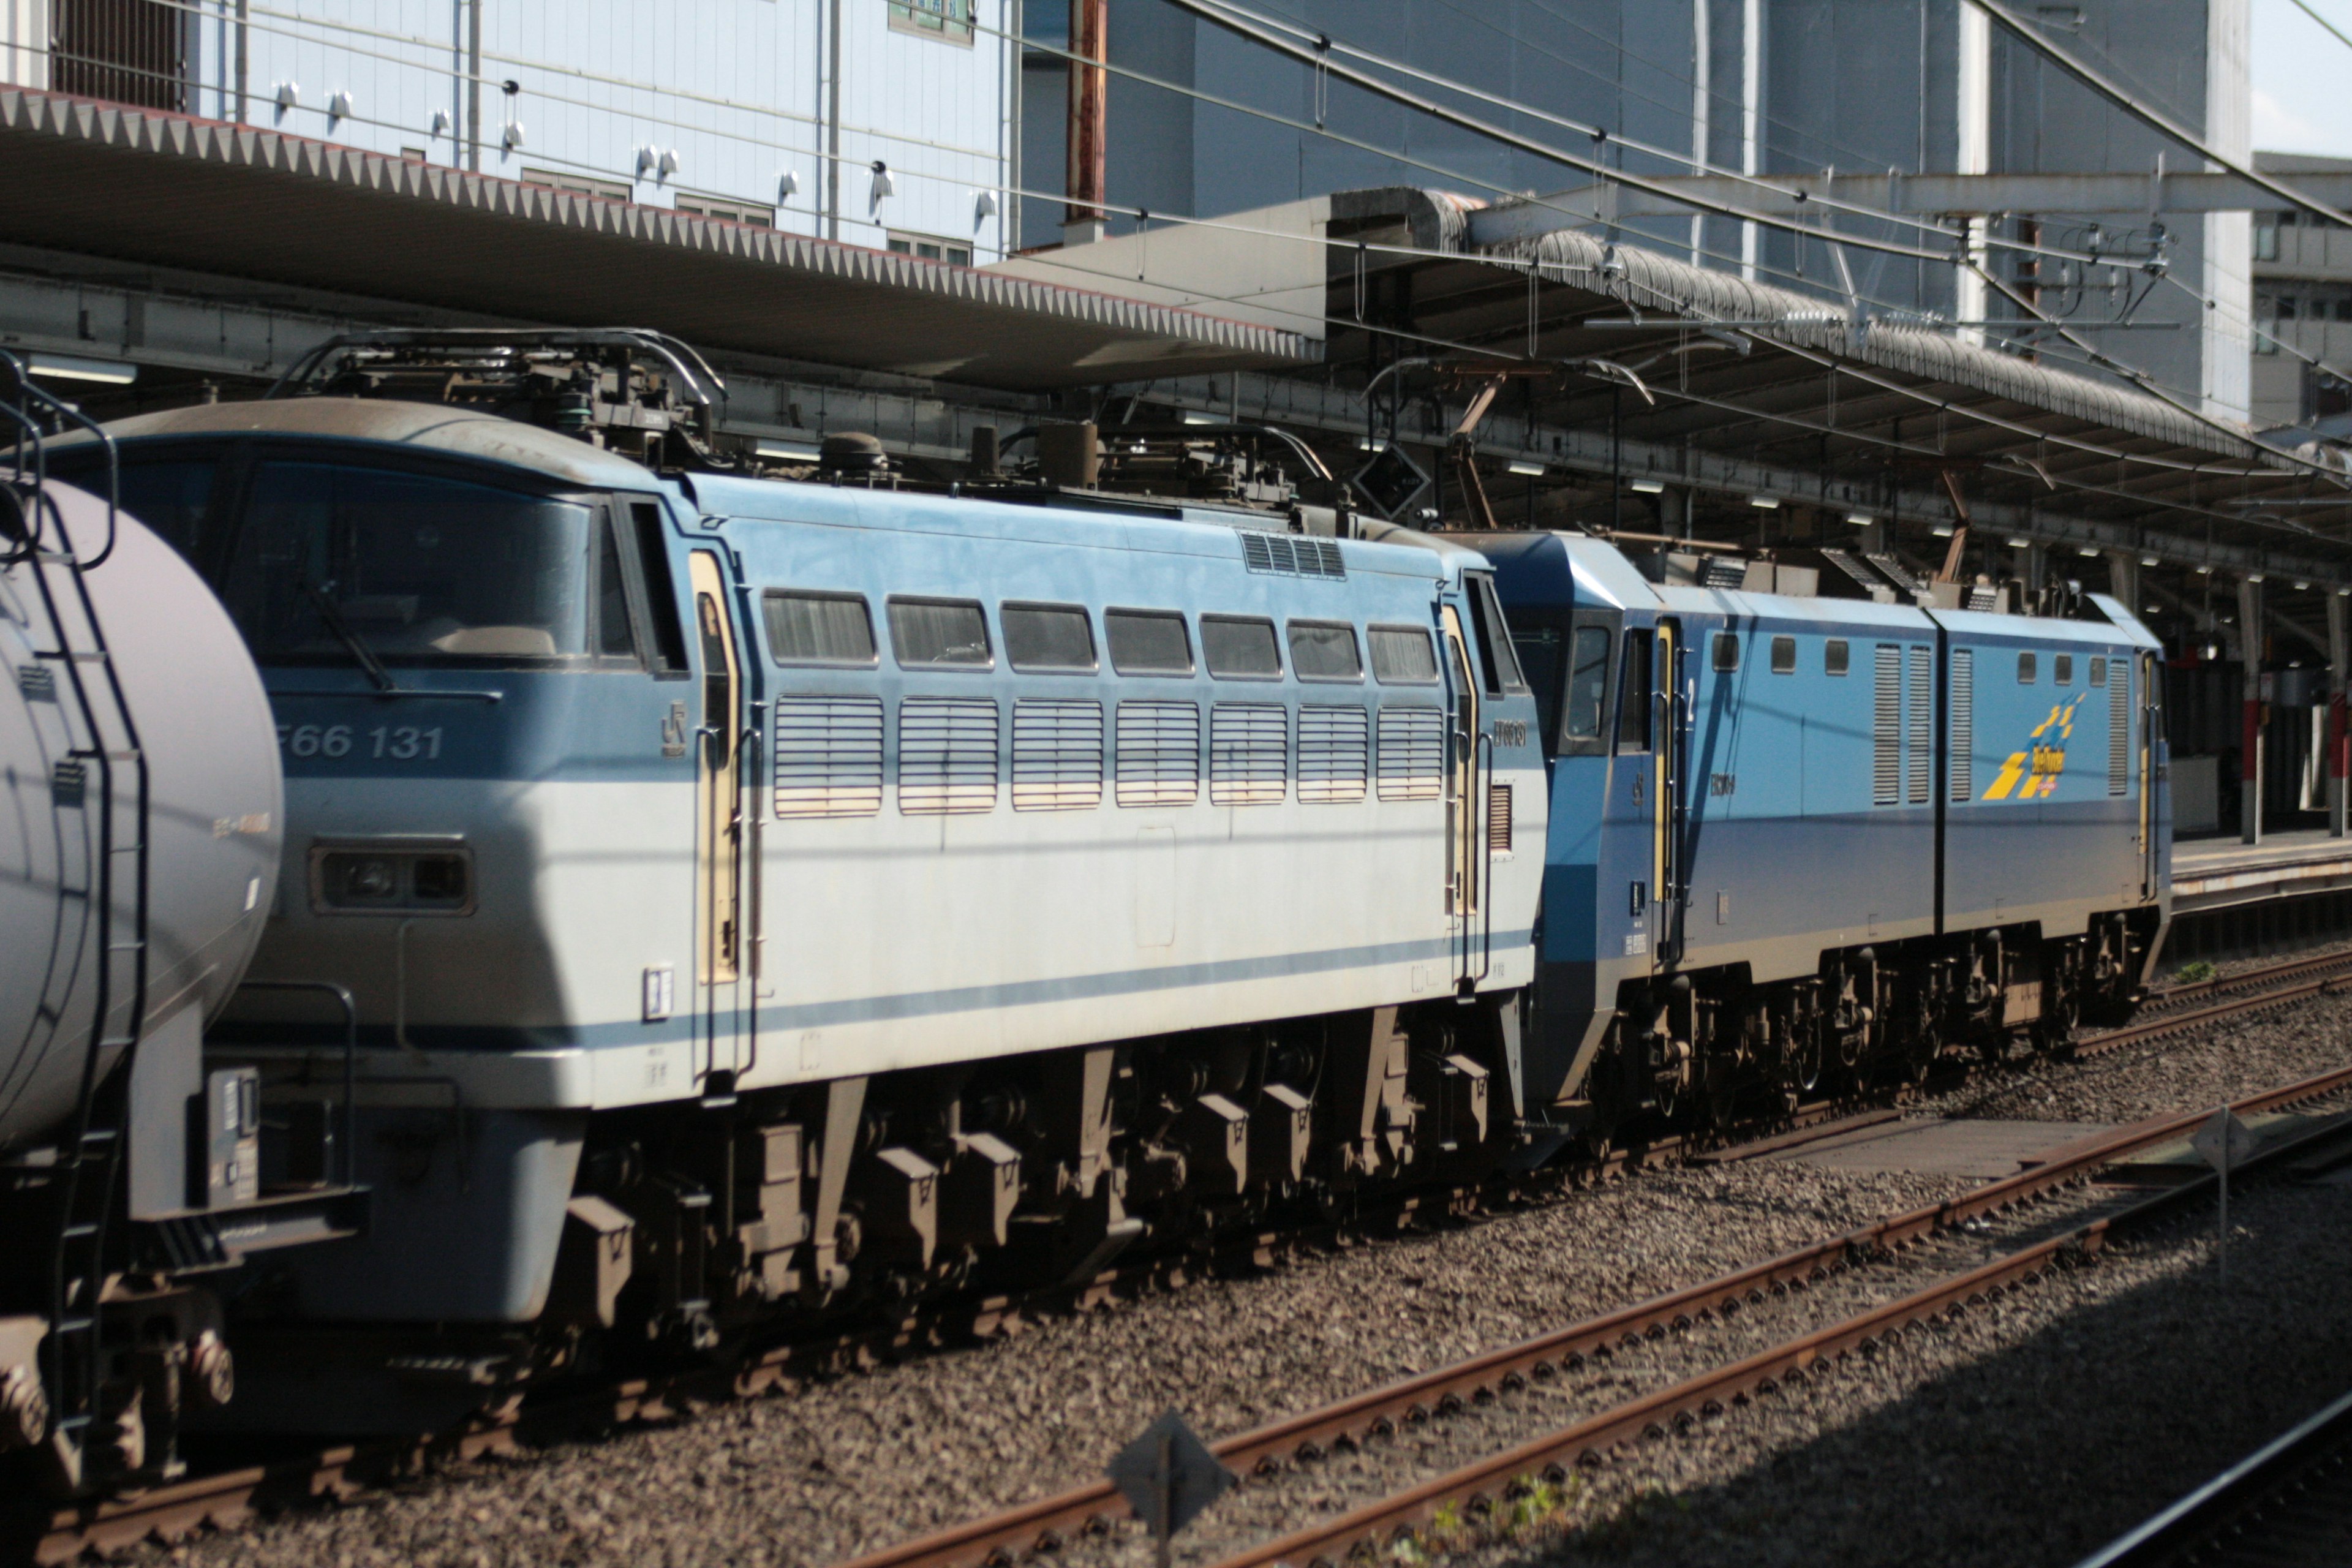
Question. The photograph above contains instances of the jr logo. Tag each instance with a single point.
(2039, 765)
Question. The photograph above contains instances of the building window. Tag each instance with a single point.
(729, 212)
(950, 19)
(579, 184)
(2266, 227)
(932, 248)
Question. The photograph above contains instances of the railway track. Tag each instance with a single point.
(229, 1498)
(1053, 1524)
(2288, 1505)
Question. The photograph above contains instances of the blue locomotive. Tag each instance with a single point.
(1813, 817)
(778, 898)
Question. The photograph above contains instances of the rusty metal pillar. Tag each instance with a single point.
(1083, 219)
(2338, 656)
(2249, 737)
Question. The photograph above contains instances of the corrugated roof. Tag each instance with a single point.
(171, 190)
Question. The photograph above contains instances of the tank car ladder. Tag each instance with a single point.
(91, 1155)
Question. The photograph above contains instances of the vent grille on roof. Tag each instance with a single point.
(1056, 755)
(1249, 754)
(828, 753)
(1887, 728)
(1412, 754)
(2119, 727)
(1158, 754)
(1984, 596)
(1921, 731)
(1718, 572)
(1962, 766)
(1334, 746)
(1290, 555)
(946, 755)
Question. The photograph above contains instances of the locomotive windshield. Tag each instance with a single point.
(418, 567)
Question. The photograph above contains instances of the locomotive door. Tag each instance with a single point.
(1464, 859)
(2150, 738)
(1666, 811)
(718, 819)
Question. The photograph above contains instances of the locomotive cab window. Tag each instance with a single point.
(806, 628)
(667, 637)
(1633, 694)
(2025, 669)
(1837, 656)
(1325, 650)
(1585, 703)
(1495, 651)
(413, 568)
(1402, 656)
(1240, 648)
(616, 637)
(1727, 651)
(940, 633)
(1148, 642)
(1048, 638)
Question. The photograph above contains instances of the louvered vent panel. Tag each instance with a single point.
(1963, 764)
(1057, 757)
(2119, 727)
(828, 753)
(1498, 818)
(1920, 731)
(1412, 754)
(1886, 729)
(1334, 754)
(1291, 555)
(946, 755)
(1249, 754)
(1158, 754)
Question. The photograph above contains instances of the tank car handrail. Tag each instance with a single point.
(342, 995)
(67, 411)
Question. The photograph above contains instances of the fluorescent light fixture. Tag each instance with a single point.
(2253, 577)
(2147, 561)
(1765, 503)
(1194, 417)
(1863, 520)
(2084, 550)
(1523, 466)
(67, 367)
(1650, 487)
(1942, 531)
(2204, 571)
(1366, 444)
(790, 451)
(2020, 544)
(2302, 587)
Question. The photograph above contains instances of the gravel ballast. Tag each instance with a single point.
(816, 1475)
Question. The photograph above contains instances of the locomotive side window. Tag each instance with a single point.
(1495, 651)
(2025, 669)
(1148, 642)
(1240, 648)
(818, 628)
(615, 639)
(1784, 656)
(414, 567)
(1587, 684)
(661, 593)
(1401, 657)
(2062, 668)
(1325, 650)
(1633, 694)
(931, 632)
(1048, 638)
(1835, 656)
(2098, 672)
(1727, 651)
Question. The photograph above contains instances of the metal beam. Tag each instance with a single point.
(1916, 195)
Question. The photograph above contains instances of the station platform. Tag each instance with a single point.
(2220, 873)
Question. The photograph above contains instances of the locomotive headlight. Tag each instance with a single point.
(408, 875)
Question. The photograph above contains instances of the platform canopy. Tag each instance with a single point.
(168, 190)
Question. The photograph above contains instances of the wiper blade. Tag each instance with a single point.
(331, 613)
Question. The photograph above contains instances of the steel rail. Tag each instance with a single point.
(1048, 1523)
(1477, 1486)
